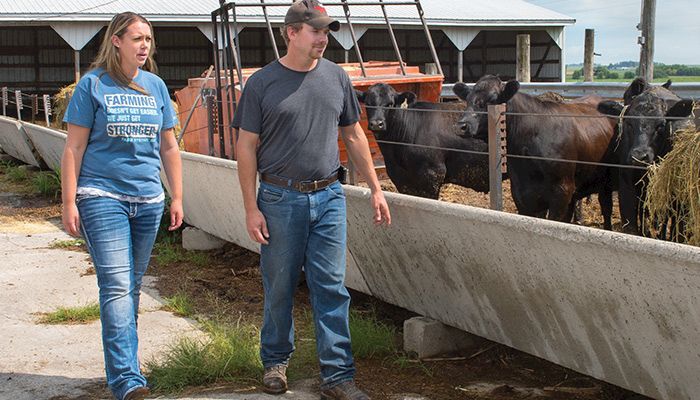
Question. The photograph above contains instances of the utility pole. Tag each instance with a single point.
(646, 40)
(589, 47)
(522, 56)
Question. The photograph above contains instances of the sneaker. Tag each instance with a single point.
(275, 379)
(139, 393)
(344, 391)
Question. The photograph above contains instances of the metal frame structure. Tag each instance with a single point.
(227, 56)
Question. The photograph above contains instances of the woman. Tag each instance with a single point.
(120, 128)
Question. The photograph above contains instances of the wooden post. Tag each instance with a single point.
(646, 54)
(460, 66)
(77, 65)
(18, 104)
(47, 109)
(522, 54)
(589, 48)
(497, 151)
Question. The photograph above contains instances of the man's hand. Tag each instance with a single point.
(256, 226)
(381, 209)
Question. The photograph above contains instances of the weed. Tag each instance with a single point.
(229, 354)
(371, 337)
(17, 174)
(180, 304)
(47, 183)
(72, 315)
(67, 244)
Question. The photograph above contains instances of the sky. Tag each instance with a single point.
(615, 24)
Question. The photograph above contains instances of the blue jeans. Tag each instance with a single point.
(120, 237)
(309, 230)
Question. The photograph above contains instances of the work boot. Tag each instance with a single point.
(344, 391)
(139, 393)
(275, 379)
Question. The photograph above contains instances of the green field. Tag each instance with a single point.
(570, 70)
(676, 79)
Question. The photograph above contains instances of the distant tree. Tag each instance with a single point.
(629, 75)
(577, 74)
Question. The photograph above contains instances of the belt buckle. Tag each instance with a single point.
(315, 185)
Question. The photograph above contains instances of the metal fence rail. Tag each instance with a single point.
(612, 90)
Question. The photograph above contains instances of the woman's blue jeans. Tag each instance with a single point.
(120, 237)
(309, 230)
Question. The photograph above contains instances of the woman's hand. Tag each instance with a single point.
(71, 219)
(176, 214)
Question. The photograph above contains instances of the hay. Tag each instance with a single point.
(60, 104)
(673, 191)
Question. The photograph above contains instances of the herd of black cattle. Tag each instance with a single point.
(577, 131)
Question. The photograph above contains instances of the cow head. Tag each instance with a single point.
(488, 90)
(642, 140)
(639, 86)
(377, 99)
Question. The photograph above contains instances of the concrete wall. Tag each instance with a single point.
(48, 143)
(620, 308)
(14, 141)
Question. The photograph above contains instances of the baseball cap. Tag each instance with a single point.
(310, 12)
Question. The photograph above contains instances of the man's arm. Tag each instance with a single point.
(358, 150)
(247, 175)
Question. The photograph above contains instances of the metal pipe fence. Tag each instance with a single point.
(497, 144)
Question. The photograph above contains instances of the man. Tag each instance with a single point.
(288, 119)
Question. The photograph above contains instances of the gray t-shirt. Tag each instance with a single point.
(297, 115)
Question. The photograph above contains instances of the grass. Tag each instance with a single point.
(72, 315)
(47, 183)
(168, 253)
(229, 354)
(371, 338)
(180, 305)
(16, 174)
(675, 79)
(66, 244)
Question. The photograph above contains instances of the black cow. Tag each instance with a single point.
(641, 142)
(544, 187)
(421, 171)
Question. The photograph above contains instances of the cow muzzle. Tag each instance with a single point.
(377, 125)
(641, 156)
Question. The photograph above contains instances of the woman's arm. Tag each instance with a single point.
(70, 170)
(170, 156)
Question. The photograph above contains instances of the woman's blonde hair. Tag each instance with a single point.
(108, 55)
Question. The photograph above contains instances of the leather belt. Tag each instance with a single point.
(299, 186)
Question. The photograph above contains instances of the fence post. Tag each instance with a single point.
(212, 118)
(5, 101)
(35, 107)
(497, 143)
(18, 103)
(47, 109)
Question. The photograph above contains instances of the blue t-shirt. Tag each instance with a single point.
(123, 150)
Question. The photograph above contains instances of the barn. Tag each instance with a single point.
(47, 44)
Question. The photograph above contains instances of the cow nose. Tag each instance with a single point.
(376, 125)
(462, 124)
(642, 156)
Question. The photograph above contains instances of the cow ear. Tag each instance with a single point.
(637, 87)
(667, 84)
(461, 90)
(681, 109)
(509, 90)
(610, 107)
(360, 96)
(405, 99)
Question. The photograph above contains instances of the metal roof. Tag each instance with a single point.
(437, 12)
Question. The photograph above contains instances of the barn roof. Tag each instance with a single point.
(437, 12)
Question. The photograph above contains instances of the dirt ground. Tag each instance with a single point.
(229, 288)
